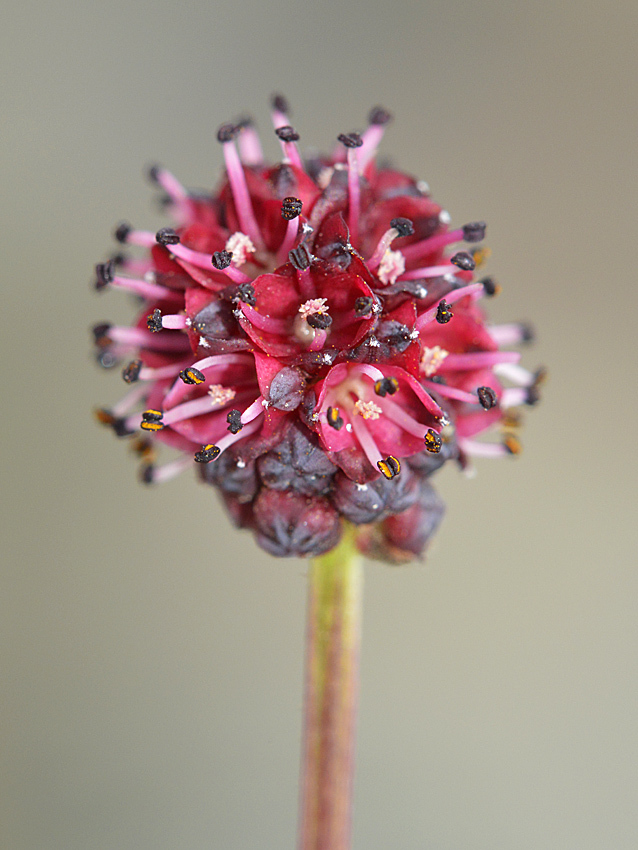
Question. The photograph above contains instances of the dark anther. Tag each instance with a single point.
(152, 420)
(319, 321)
(154, 321)
(279, 102)
(104, 416)
(118, 259)
(147, 473)
(533, 395)
(246, 294)
(234, 421)
(192, 376)
(363, 305)
(333, 418)
(104, 273)
(474, 231)
(244, 122)
(527, 332)
(386, 386)
(122, 231)
(166, 236)
(120, 427)
(379, 115)
(300, 257)
(464, 261)
(221, 260)
(487, 397)
(131, 372)
(287, 133)
(208, 453)
(433, 441)
(101, 334)
(490, 286)
(443, 312)
(350, 140)
(403, 225)
(153, 173)
(290, 208)
(389, 468)
(227, 132)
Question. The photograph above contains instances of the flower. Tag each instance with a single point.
(310, 338)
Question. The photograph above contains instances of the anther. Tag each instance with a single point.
(533, 395)
(300, 257)
(403, 226)
(207, 453)
(474, 231)
(234, 421)
(433, 441)
(363, 305)
(487, 397)
(152, 420)
(380, 116)
(246, 294)
(131, 372)
(319, 321)
(192, 376)
(279, 102)
(154, 321)
(464, 261)
(290, 208)
(147, 473)
(122, 231)
(527, 332)
(166, 236)
(333, 418)
(490, 286)
(104, 273)
(443, 312)
(101, 334)
(221, 260)
(227, 132)
(386, 386)
(512, 445)
(153, 173)
(350, 140)
(389, 468)
(287, 133)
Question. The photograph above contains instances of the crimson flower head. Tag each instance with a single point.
(311, 340)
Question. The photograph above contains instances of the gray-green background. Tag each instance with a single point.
(151, 655)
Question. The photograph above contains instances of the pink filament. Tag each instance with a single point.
(241, 196)
(417, 250)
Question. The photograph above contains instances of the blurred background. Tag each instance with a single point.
(152, 655)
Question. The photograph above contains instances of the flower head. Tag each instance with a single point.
(311, 339)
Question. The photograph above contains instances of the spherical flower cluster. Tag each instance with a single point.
(310, 340)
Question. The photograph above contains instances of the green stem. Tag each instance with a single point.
(332, 678)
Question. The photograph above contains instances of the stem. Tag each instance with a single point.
(332, 668)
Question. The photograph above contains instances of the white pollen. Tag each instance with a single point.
(392, 265)
(367, 409)
(349, 427)
(220, 395)
(204, 342)
(423, 187)
(312, 307)
(431, 360)
(189, 321)
(414, 334)
(150, 276)
(373, 342)
(327, 358)
(445, 217)
(362, 487)
(240, 463)
(240, 246)
(315, 417)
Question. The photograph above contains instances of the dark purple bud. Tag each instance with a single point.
(232, 476)
(406, 535)
(287, 389)
(297, 463)
(289, 524)
(364, 503)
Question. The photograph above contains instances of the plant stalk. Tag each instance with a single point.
(332, 683)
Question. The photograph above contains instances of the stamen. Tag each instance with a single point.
(192, 376)
(151, 291)
(238, 186)
(204, 261)
(352, 141)
(398, 227)
(397, 414)
(250, 150)
(173, 188)
(146, 339)
(291, 208)
(487, 397)
(159, 475)
(516, 374)
(511, 334)
(152, 420)
(475, 448)
(390, 467)
(367, 409)
(464, 261)
(491, 287)
(386, 386)
(288, 138)
(156, 322)
(319, 321)
(479, 360)
(264, 323)
(280, 110)
(433, 441)
(207, 453)
(475, 290)
(166, 236)
(450, 392)
(124, 233)
(378, 118)
(366, 441)
(131, 373)
(290, 211)
(239, 246)
(443, 312)
(431, 360)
